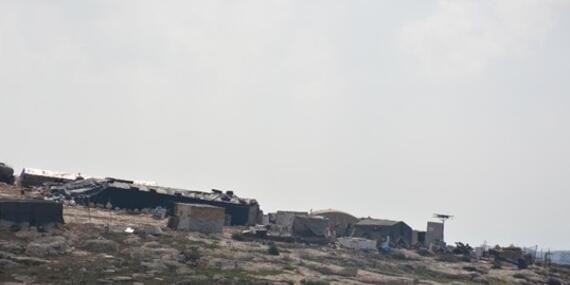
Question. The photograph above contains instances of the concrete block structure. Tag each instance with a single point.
(198, 218)
(434, 233)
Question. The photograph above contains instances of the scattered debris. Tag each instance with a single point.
(258, 231)
(463, 249)
(512, 255)
(358, 243)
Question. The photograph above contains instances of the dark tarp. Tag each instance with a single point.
(32, 212)
(130, 196)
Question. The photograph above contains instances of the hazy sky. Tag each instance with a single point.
(390, 109)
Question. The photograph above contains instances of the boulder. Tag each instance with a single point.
(47, 246)
(101, 246)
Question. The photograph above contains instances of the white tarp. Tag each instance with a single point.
(357, 243)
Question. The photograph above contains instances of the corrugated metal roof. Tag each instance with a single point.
(48, 173)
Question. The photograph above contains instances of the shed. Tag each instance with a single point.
(378, 229)
(340, 222)
(197, 217)
(282, 221)
(30, 212)
(31, 177)
(311, 226)
(419, 238)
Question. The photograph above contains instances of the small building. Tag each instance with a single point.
(340, 223)
(197, 217)
(434, 233)
(282, 221)
(30, 212)
(31, 177)
(6, 174)
(311, 227)
(377, 229)
(419, 238)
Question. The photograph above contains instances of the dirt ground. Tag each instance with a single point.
(92, 247)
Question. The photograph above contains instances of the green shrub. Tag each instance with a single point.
(238, 237)
(273, 250)
(314, 282)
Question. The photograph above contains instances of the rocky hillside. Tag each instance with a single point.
(92, 247)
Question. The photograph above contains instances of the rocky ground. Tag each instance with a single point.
(92, 247)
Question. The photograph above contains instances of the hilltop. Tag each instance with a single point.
(93, 247)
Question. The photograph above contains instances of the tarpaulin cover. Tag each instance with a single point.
(32, 212)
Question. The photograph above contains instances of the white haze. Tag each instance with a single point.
(387, 109)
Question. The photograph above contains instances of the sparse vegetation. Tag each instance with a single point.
(314, 282)
(238, 236)
(82, 251)
(272, 249)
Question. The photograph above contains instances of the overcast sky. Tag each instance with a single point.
(389, 109)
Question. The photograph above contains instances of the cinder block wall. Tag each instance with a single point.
(200, 218)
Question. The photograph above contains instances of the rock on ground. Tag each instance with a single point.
(47, 246)
(101, 246)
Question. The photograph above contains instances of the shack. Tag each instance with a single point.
(26, 213)
(311, 226)
(197, 217)
(398, 232)
(419, 238)
(282, 221)
(30, 177)
(6, 174)
(340, 223)
(126, 194)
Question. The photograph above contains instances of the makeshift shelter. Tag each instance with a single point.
(397, 231)
(31, 177)
(6, 174)
(128, 195)
(340, 223)
(311, 226)
(419, 238)
(197, 217)
(30, 212)
(282, 221)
